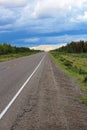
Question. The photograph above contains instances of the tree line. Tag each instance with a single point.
(8, 49)
(74, 47)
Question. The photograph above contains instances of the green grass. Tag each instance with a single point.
(74, 65)
(84, 99)
(13, 56)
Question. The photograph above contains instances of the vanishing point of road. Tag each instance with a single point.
(35, 94)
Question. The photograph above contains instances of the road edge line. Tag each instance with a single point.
(19, 91)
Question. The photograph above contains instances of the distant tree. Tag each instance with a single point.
(7, 49)
(74, 47)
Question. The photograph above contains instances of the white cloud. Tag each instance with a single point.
(13, 3)
(24, 18)
(49, 8)
(6, 14)
(40, 16)
(50, 15)
(31, 40)
(57, 8)
(82, 17)
(47, 47)
(28, 40)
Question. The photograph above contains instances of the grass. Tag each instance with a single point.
(13, 56)
(84, 99)
(74, 65)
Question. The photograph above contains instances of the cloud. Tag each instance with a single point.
(82, 17)
(6, 14)
(31, 40)
(41, 17)
(51, 8)
(43, 13)
(47, 47)
(49, 15)
(48, 40)
(26, 41)
(14, 3)
(24, 17)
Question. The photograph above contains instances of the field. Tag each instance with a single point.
(13, 56)
(74, 65)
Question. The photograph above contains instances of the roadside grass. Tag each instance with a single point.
(84, 99)
(74, 65)
(13, 56)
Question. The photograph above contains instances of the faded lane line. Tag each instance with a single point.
(19, 91)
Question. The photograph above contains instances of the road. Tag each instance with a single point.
(49, 99)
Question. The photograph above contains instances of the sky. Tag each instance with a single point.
(34, 23)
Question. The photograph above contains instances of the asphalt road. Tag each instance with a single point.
(48, 101)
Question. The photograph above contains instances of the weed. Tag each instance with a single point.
(68, 63)
(84, 99)
(85, 79)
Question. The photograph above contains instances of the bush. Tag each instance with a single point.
(85, 79)
(68, 63)
(84, 99)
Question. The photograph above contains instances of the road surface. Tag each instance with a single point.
(48, 100)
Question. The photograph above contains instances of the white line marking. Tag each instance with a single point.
(19, 91)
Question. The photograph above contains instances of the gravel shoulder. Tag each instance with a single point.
(52, 103)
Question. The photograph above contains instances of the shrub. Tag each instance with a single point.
(85, 79)
(68, 63)
(84, 99)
